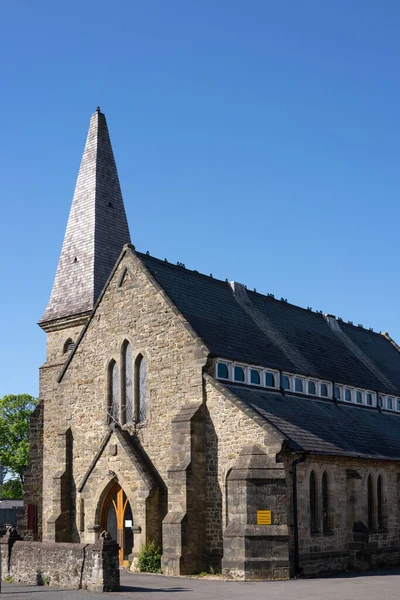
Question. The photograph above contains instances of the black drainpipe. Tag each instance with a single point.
(297, 569)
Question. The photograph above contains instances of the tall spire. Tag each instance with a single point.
(96, 231)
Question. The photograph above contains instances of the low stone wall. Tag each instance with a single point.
(72, 566)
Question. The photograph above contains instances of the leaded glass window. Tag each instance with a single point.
(128, 387)
(113, 393)
(141, 388)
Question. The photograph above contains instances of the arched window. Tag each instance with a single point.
(269, 379)
(370, 502)
(358, 397)
(285, 382)
(311, 388)
(398, 405)
(223, 371)
(369, 399)
(324, 390)
(390, 404)
(255, 377)
(313, 503)
(298, 384)
(337, 392)
(379, 499)
(127, 383)
(325, 503)
(113, 396)
(239, 374)
(347, 395)
(140, 395)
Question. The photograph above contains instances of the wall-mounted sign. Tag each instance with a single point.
(128, 523)
(264, 517)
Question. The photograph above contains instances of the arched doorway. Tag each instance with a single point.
(116, 518)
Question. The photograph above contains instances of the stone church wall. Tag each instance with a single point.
(341, 548)
(141, 314)
(228, 430)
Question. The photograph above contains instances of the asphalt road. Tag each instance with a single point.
(381, 585)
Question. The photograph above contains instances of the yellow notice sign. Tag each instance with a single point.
(264, 517)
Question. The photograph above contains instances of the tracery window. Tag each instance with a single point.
(127, 383)
(313, 503)
(140, 395)
(113, 395)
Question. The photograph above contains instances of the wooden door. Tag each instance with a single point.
(117, 520)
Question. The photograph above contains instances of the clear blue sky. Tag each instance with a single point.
(255, 140)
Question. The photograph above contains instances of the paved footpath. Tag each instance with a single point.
(380, 585)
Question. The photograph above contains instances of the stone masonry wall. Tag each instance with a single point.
(72, 566)
(141, 314)
(340, 548)
(228, 430)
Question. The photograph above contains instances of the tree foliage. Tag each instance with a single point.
(11, 489)
(15, 411)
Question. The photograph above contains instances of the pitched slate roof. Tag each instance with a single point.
(96, 231)
(325, 427)
(257, 329)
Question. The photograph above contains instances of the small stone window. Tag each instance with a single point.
(379, 500)
(313, 503)
(312, 388)
(285, 382)
(324, 390)
(347, 395)
(370, 502)
(325, 504)
(358, 397)
(239, 374)
(222, 371)
(255, 378)
(69, 345)
(269, 379)
(298, 385)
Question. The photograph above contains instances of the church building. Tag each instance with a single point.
(235, 430)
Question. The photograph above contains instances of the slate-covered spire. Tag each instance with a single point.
(96, 231)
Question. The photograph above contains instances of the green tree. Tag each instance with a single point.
(15, 411)
(12, 488)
